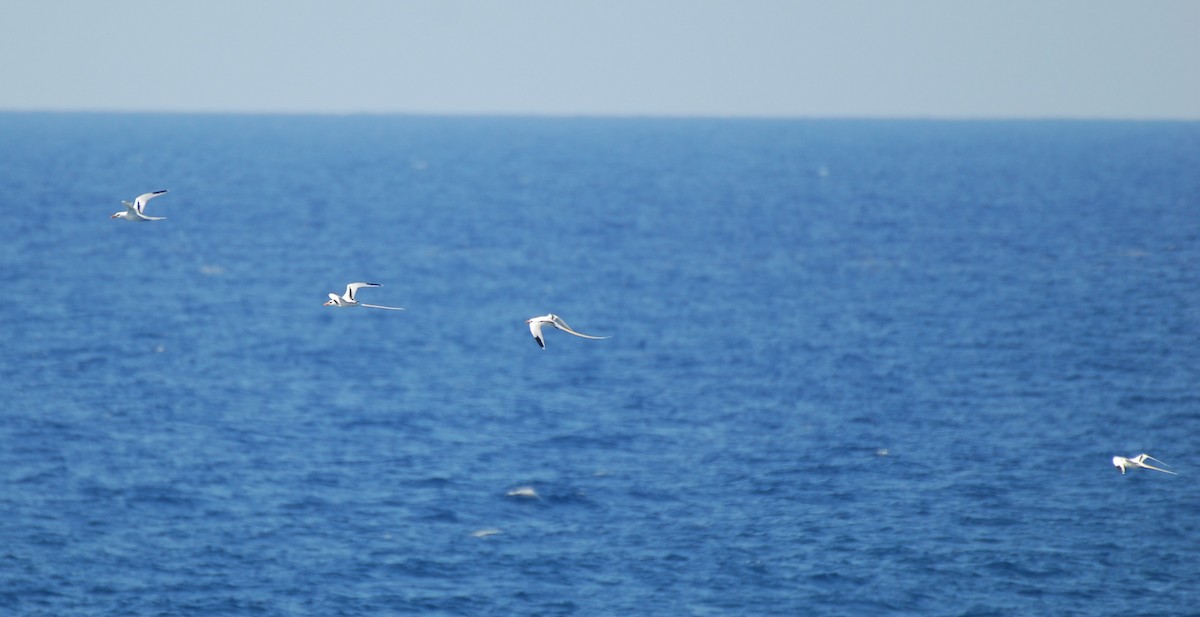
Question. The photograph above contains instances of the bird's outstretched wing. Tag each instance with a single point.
(1140, 461)
(535, 328)
(140, 202)
(354, 287)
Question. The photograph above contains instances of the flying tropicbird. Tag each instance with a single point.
(348, 299)
(536, 323)
(524, 491)
(135, 212)
(1138, 461)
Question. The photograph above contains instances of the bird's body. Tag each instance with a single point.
(524, 491)
(350, 300)
(536, 324)
(136, 212)
(1138, 462)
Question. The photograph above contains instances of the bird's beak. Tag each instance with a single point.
(327, 303)
(115, 215)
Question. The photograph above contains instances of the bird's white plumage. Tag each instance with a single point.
(354, 287)
(1138, 462)
(140, 202)
(350, 298)
(136, 211)
(524, 491)
(536, 324)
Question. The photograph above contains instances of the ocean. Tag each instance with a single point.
(855, 367)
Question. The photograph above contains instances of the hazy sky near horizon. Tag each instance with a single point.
(854, 58)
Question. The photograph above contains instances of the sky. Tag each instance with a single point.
(1119, 59)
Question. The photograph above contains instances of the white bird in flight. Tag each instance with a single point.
(136, 212)
(536, 323)
(524, 491)
(1138, 461)
(348, 299)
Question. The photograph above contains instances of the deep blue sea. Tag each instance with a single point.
(855, 367)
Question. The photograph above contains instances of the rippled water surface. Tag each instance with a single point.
(855, 367)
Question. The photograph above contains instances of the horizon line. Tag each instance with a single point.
(932, 117)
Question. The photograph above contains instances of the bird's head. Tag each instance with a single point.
(118, 215)
(1119, 463)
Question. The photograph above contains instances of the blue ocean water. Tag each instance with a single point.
(855, 367)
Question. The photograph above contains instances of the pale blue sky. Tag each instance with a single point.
(943, 58)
